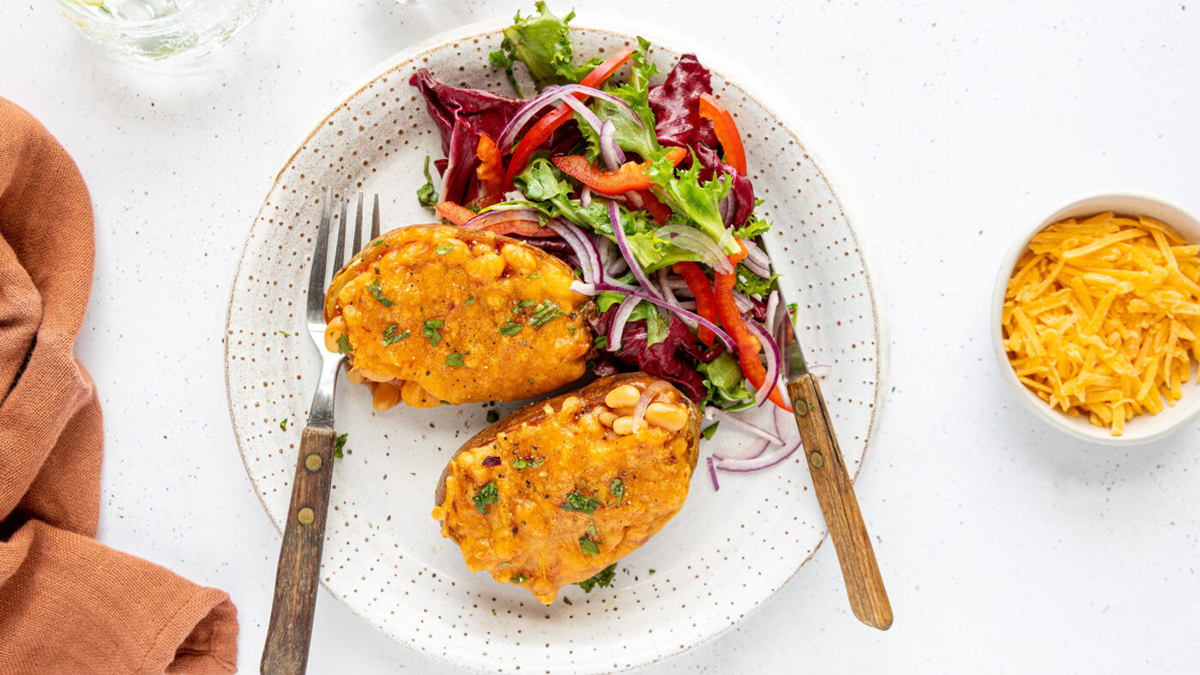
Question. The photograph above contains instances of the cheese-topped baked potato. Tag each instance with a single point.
(433, 314)
(557, 491)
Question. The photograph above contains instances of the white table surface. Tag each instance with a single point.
(1006, 546)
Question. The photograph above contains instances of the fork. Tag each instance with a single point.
(290, 629)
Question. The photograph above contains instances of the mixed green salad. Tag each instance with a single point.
(643, 187)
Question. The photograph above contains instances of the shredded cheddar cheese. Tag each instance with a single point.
(1101, 317)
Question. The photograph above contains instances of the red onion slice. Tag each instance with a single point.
(617, 330)
(679, 311)
(712, 473)
(820, 370)
(712, 412)
(614, 217)
(609, 150)
(584, 247)
(648, 394)
(553, 95)
(585, 197)
(772, 357)
(763, 271)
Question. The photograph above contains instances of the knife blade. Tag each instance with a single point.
(831, 479)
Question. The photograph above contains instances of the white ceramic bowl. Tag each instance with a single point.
(1140, 429)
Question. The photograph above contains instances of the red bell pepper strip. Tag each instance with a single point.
(748, 346)
(547, 125)
(659, 210)
(459, 215)
(631, 175)
(490, 171)
(706, 303)
(726, 130)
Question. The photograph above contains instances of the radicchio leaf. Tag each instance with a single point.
(461, 115)
(673, 359)
(676, 105)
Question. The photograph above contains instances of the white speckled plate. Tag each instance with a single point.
(725, 553)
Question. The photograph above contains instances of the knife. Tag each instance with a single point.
(831, 480)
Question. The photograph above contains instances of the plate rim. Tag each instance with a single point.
(752, 87)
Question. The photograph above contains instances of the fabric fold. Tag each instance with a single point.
(69, 604)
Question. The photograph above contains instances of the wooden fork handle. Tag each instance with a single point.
(290, 630)
(864, 585)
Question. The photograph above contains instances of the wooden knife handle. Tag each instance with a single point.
(290, 630)
(864, 585)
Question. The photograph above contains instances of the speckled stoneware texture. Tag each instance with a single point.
(726, 553)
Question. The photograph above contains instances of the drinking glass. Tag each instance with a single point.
(157, 29)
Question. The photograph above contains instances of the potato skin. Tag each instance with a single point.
(482, 291)
(531, 531)
(591, 394)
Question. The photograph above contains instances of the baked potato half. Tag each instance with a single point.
(557, 491)
(435, 314)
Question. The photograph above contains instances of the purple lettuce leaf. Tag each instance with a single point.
(738, 205)
(676, 105)
(461, 115)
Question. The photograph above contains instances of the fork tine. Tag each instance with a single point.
(375, 219)
(316, 277)
(358, 225)
(339, 255)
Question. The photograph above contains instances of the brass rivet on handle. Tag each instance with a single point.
(305, 516)
(313, 462)
(817, 459)
(801, 407)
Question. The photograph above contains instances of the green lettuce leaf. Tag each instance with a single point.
(542, 43)
(725, 383)
(750, 283)
(630, 136)
(426, 194)
(683, 192)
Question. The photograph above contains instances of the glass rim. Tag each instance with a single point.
(76, 9)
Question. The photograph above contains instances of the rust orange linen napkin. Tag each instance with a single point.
(69, 604)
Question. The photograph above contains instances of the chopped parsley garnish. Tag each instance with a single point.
(545, 313)
(284, 333)
(487, 494)
(339, 445)
(535, 275)
(344, 345)
(283, 424)
(455, 360)
(600, 342)
(589, 547)
(378, 243)
(708, 431)
(390, 337)
(443, 249)
(430, 331)
(522, 305)
(493, 417)
(377, 291)
(566, 600)
(518, 578)
(617, 488)
(511, 328)
(470, 300)
(522, 463)
(591, 530)
(581, 503)
(652, 571)
(603, 579)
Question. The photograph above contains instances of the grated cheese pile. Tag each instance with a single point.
(1102, 316)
